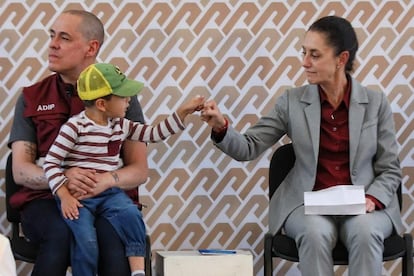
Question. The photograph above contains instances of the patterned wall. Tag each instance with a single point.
(243, 54)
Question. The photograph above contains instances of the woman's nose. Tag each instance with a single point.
(305, 61)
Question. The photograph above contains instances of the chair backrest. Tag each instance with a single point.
(399, 195)
(282, 161)
(13, 215)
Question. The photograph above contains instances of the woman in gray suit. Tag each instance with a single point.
(342, 133)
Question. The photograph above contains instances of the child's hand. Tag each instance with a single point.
(70, 208)
(189, 107)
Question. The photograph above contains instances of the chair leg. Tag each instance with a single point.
(407, 262)
(268, 263)
(148, 263)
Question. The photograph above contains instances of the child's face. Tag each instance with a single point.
(117, 106)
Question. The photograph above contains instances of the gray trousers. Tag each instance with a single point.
(316, 236)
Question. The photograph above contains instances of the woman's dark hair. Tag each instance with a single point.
(340, 35)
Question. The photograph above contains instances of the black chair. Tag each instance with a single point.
(23, 249)
(284, 247)
(148, 256)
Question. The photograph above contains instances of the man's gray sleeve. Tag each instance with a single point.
(134, 112)
(22, 128)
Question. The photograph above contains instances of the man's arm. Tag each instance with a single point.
(22, 142)
(25, 170)
(135, 171)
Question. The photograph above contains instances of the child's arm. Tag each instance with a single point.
(68, 203)
(52, 165)
(171, 125)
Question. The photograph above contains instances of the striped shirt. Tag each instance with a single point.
(84, 144)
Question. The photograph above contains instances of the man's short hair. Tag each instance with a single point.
(91, 27)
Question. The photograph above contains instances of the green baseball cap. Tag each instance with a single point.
(102, 79)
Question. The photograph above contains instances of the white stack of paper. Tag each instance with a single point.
(337, 200)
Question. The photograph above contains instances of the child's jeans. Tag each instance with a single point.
(115, 206)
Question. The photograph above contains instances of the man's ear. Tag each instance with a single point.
(93, 48)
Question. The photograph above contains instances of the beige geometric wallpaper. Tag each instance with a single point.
(241, 53)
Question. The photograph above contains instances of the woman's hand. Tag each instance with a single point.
(212, 116)
(369, 205)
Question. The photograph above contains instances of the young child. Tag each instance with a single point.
(92, 140)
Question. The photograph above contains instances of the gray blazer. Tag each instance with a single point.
(373, 147)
